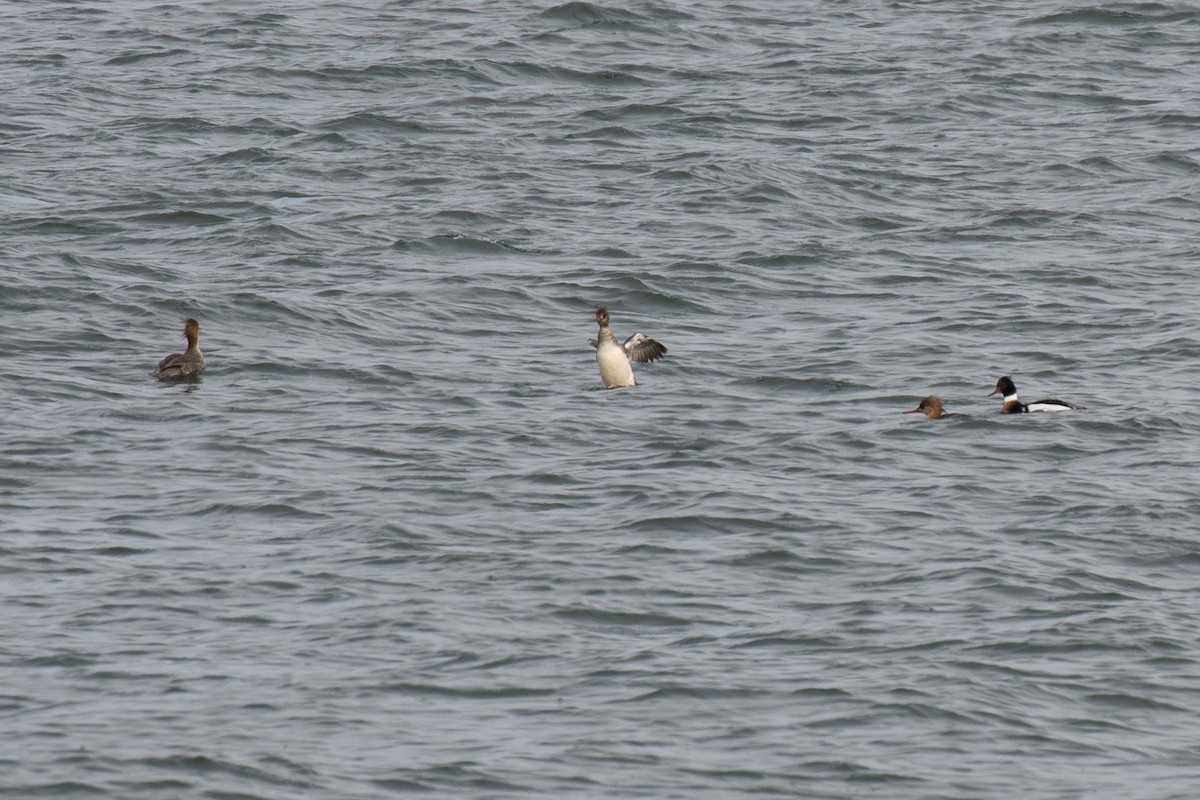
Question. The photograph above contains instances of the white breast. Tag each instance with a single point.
(615, 369)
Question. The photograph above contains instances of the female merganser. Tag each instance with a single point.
(1013, 405)
(187, 363)
(932, 408)
(614, 359)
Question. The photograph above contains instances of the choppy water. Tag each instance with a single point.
(397, 541)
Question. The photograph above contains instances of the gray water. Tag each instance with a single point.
(397, 540)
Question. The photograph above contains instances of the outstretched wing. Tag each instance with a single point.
(641, 348)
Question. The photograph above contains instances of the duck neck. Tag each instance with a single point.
(606, 334)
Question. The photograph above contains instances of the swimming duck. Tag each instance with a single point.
(187, 363)
(615, 360)
(932, 408)
(1012, 404)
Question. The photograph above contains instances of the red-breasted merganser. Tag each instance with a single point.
(615, 359)
(187, 363)
(1013, 405)
(932, 408)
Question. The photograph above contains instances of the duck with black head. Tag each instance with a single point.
(1013, 405)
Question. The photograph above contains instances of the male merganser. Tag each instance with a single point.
(1012, 405)
(614, 359)
(932, 408)
(187, 363)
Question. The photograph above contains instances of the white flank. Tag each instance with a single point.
(1047, 407)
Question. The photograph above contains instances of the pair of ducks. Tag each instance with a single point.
(615, 360)
(932, 407)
